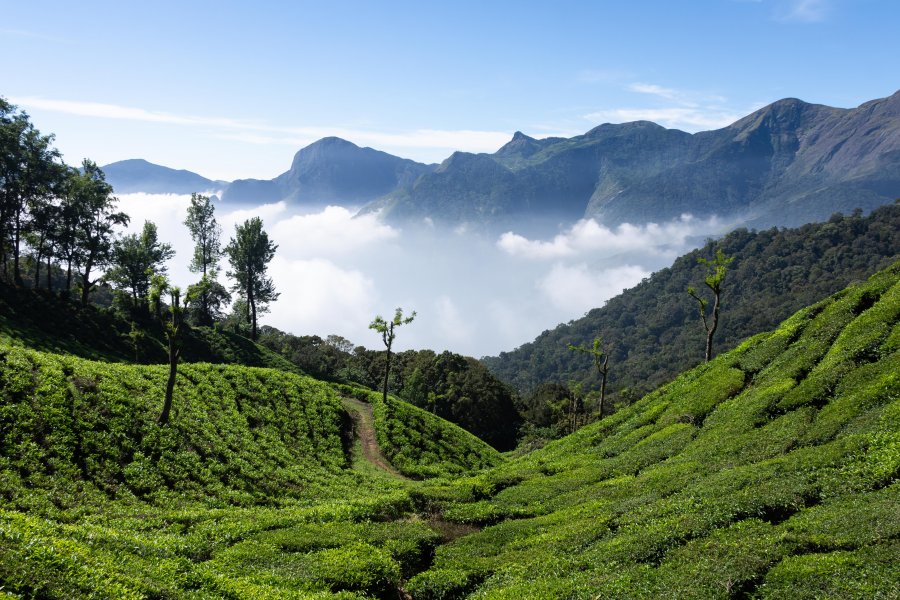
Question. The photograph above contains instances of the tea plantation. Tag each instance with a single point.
(770, 472)
(249, 492)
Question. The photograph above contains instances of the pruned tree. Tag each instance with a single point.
(173, 331)
(600, 356)
(250, 252)
(715, 275)
(386, 329)
(208, 295)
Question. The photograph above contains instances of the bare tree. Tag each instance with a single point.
(716, 269)
(601, 361)
(386, 329)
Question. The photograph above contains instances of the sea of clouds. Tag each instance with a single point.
(474, 293)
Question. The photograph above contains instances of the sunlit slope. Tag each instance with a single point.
(771, 472)
(249, 492)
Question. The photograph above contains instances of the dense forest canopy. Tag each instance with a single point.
(652, 330)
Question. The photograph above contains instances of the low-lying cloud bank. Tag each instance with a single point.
(473, 295)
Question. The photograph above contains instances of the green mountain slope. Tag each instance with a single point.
(249, 492)
(771, 472)
(654, 331)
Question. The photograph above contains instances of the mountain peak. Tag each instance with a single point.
(520, 145)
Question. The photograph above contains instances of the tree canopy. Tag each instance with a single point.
(249, 253)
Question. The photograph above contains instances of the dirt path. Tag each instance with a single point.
(364, 429)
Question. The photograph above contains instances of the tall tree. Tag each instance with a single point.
(208, 295)
(135, 259)
(65, 236)
(601, 361)
(250, 252)
(96, 217)
(28, 170)
(44, 209)
(386, 329)
(715, 275)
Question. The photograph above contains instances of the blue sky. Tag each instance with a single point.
(232, 90)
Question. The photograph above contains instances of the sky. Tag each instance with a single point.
(232, 90)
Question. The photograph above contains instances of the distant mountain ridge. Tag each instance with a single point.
(331, 171)
(786, 164)
(137, 175)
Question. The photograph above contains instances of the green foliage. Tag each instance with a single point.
(454, 387)
(250, 252)
(774, 274)
(246, 492)
(135, 259)
(771, 471)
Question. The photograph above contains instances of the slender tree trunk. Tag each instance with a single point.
(712, 329)
(603, 383)
(37, 269)
(49, 273)
(17, 232)
(251, 301)
(174, 353)
(86, 283)
(37, 263)
(387, 374)
(69, 274)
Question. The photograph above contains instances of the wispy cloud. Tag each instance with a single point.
(682, 109)
(688, 119)
(804, 11)
(34, 35)
(588, 237)
(576, 288)
(253, 132)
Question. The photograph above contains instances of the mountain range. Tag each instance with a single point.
(137, 175)
(788, 163)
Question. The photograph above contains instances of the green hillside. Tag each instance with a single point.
(771, 472)
(251, 491)
(47, 322)
(653, 331)
(418, 443)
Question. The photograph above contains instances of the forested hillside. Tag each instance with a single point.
(653, 330)
(771, 472)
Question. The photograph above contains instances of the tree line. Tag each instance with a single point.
(62, 223)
